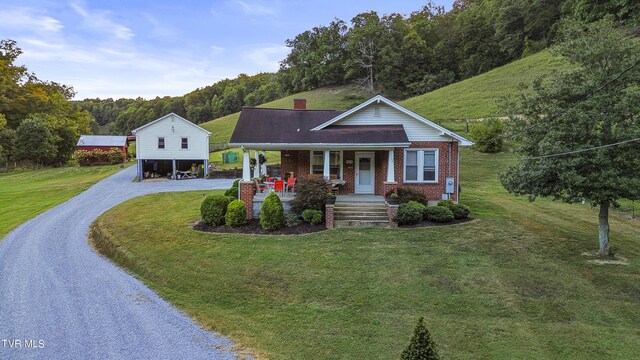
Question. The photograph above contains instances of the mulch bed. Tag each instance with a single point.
(253, 227)
(426, 223)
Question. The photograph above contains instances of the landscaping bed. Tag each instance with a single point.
(253, 227)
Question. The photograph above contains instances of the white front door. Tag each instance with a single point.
(365, 173)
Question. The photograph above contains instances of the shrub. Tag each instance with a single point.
(272, 213)
(236, 214)
(421, 346)
(407, 194)
(408, 213)
(232, 191)
(309, 195)
(460, 211)
(488, 135)
(419, 206)
(115, 156)
(236, 183)
(291, 219)
(438, 214)
(312, 216)
(213, 209)
(446, 203)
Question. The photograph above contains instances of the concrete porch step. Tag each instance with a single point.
(360, 223)
(359, 210)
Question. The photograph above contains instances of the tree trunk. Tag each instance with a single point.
(603, 228)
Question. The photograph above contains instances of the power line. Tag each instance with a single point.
(565, 110)
(581, 150)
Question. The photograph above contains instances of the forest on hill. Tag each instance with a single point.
(393, 54)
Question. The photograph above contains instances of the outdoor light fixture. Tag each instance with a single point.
(173, 129)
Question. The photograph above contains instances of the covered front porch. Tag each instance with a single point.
(360, 171)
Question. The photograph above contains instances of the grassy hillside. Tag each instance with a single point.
(478, 96)
(25, 194)
(513, 284)
(340, 97)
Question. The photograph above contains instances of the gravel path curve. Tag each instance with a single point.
(59, 299)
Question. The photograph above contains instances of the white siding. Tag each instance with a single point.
(416, 130)
(147, 141)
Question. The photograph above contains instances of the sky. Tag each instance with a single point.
(115, 49)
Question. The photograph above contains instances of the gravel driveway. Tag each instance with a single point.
(60, 300)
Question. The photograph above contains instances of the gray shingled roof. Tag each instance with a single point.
(102, 140)
(286, 126)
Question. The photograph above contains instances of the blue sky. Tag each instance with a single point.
(157, 48)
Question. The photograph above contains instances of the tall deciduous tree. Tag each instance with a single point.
(35, 141)
(595, 105)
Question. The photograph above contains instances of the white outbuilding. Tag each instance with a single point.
(171, 147)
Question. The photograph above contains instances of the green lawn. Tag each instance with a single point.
(27, 193)
(513, 284)
(273, 157)
(478, 97)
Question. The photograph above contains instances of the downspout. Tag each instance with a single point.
(458, 177)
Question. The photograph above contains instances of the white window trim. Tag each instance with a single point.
(164, 139)
(341, 161)
(188, 143)
(420, 163)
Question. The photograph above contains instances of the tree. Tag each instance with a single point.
(421, 346)
(35, 142)
(594, 105)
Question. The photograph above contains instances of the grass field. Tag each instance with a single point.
(478, 96)
(26, 193)
(513, 284)
(273, 157)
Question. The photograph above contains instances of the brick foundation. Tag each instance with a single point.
(388, 187)
(247, 189)
(329, 216)
(392, 210)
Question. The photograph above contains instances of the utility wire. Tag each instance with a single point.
(565, 110)
(581, 150)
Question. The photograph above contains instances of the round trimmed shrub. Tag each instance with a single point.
(408, 214)
(438, 214)
(272, 213)
(446, 203)
(312, 216)
(460, 211)
(418, 206)
(213, 209)
(232, 191)
(236, 214)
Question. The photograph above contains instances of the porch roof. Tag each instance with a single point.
(291, 129)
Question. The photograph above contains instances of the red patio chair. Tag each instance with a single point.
(278, 186)
(291, 184)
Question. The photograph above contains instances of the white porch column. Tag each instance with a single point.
(326, 171)
(246, 170)
(390, 167)
(263, 170)
(256, 169)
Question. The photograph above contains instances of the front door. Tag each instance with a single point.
(364, 173)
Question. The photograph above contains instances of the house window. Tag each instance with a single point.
(421, 165)
(335, 163)
(185, 143)
(160, 143)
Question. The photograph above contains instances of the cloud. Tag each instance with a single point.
(26, 18)
(267, 57)
(256, 9)
(216, 50)
(101, 21)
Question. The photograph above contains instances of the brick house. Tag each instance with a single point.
(369, 149)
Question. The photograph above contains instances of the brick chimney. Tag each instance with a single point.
(299, 104)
